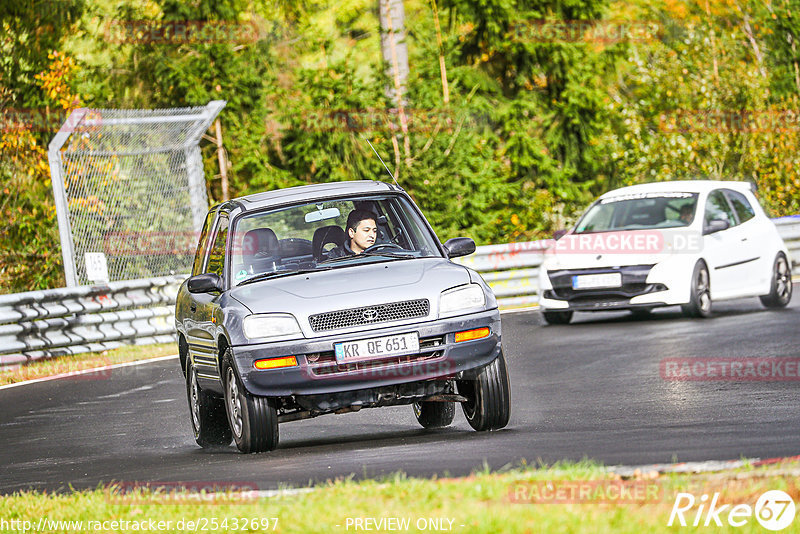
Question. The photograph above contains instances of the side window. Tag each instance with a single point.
(197, 266)
(740, 204)
(717, 208)
(216, 256)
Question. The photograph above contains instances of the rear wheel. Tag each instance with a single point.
(253, 419)
(557, 317)
(434, 414)
(488, 404)
(209, 422)
(700, 299)
(781, 289)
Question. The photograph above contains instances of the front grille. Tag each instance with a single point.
(380, 313)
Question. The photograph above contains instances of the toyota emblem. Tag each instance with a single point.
(370, 314)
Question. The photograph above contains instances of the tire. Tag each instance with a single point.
(699, 304)
(557, 317)
(488, 405)
(207, 413)
(434, 414)
(253, 420)
(781, 288)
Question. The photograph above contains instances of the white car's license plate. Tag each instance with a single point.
(593, 281)
(378, 347)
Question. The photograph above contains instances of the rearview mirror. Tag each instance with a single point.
(716, 225)
(204, 283)
(321, 215)
(459, 246)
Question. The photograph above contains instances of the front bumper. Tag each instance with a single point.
(318, 373)
(639, 289)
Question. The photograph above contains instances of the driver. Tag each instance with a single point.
(362, 229)
(687, 213)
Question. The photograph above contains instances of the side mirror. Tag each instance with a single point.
(204, 283)
(459, 246)
(716, 225)
(558, 234)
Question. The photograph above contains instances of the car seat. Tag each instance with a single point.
(260, 251)
(325, 235)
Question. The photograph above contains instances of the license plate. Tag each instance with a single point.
(593, 281)
(378, 347)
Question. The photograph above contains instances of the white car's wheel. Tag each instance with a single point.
(781, 289)
(699, 304)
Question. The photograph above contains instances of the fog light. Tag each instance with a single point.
(276, 363)
(469, 335)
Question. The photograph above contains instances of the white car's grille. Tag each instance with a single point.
(379, 313)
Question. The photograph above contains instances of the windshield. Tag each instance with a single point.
(639, 211)
(315, 236)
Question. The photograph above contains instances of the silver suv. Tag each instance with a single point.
(328, 299)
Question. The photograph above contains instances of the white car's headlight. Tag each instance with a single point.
(272, 326)
(461, 298)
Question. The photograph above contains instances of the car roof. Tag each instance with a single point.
(681, 186)
(312, 192)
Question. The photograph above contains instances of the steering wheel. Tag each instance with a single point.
(378, 246)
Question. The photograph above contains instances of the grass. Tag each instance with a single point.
(80, 362)
(479, 503)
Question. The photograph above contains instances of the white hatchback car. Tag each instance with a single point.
(684, 243)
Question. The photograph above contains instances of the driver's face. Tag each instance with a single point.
(363, 236)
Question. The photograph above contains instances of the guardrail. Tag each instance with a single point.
(56, 322)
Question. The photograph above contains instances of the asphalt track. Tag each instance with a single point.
(592, 389)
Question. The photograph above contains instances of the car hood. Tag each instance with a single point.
(353, 286)
(611, 249)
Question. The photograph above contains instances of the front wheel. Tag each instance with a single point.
(431, 414)
(699, 304)
(209, 423)
(253, 419)
(488, 404)
(781, 289)
(557, 317)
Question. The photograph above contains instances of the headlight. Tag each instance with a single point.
(461, 298)
(272, 326)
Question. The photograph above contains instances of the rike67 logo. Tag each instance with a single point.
(774, 510)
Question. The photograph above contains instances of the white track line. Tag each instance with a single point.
(88, 371)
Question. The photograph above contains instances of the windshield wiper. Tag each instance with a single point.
(277, 274)
(371, 255)
(399, 255)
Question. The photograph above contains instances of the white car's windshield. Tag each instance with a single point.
(316, 236)
(639, 211)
